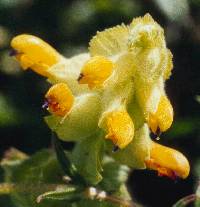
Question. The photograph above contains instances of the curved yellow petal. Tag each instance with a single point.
(162, 119)
(168, 162)
(59, 99)
(120, 128)
(95, 71)
(34, 53)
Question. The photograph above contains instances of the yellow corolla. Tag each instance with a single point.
(59, 99)
(34, 53)
(95, 71)
(115, 91)
(162, 119)
(120, 128)
(168, 162)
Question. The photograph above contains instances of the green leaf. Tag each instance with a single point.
(87, 158)
(64, 161)
(114, 175)
(32, 177)
(66, 193)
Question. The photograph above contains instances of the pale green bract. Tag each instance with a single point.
(142, 64)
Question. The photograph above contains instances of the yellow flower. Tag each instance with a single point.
(120, 128)
(59, 99)
(168, 162)
(115, 91)
(95, 71)
(162, 119)
(34, 53)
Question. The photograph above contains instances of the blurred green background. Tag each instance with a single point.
(68, 25)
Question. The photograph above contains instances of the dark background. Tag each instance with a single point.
(68, 26)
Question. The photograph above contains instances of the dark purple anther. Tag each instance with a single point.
(156, 135)
(13, 52)
(158, 132)
(45, 105)
(115, 148)
(80, 77)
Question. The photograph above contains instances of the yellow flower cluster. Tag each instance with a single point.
(116, 89)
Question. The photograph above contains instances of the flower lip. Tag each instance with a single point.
(53, 105)
(120, 129)
(162, 171)
(162, 119)
(59, 99)
(80, 77)
(168, 162)
(95, 71)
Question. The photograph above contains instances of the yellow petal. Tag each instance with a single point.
(95, 71)
(162, 119)
(168, 162)
(120, 128)
(59, 99)
(34, 53)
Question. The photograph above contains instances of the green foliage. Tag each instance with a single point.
(88, 153)
(39, 179)
(31, 177)
(67, 193)
(114, 175)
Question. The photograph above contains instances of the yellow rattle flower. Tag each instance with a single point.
(115, 91)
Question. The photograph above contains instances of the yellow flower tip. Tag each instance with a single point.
(162, 119)
(168, 162)
(120, 128)
(59, 99)
(95, 71)
(34, 53)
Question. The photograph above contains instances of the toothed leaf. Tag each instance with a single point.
(110, 41)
